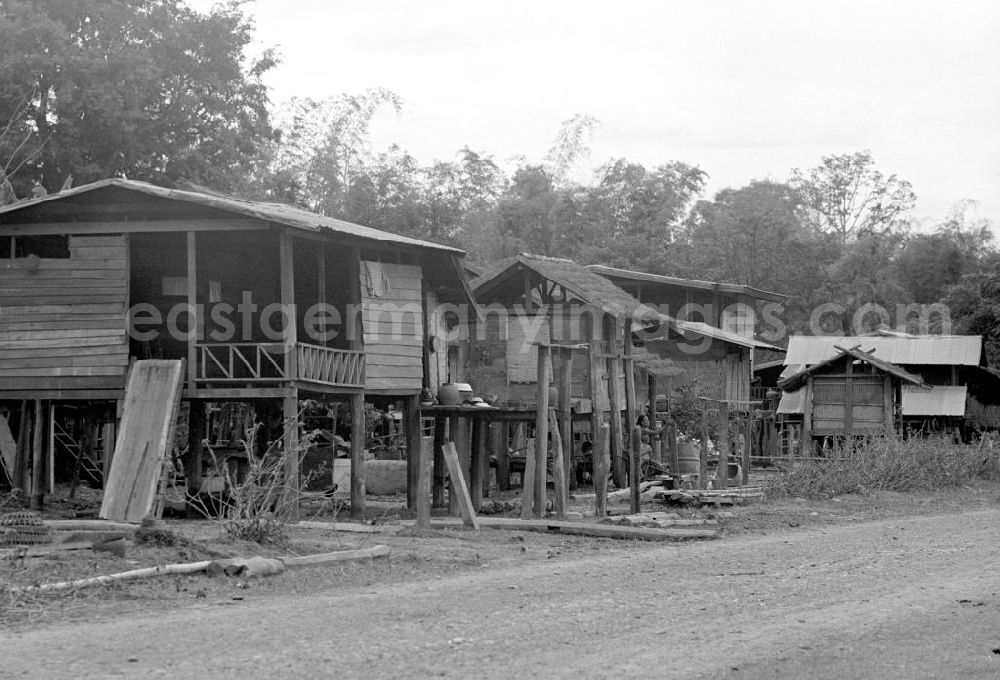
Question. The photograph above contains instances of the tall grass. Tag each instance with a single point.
(889, 464)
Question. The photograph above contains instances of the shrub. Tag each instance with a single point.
(888, 464)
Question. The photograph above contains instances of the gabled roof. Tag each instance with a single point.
(616, 274)
(279, 213)
(504, 280)
(947, 350)
(793, 382)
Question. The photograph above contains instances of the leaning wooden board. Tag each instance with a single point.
(8, 448)
(146, 433)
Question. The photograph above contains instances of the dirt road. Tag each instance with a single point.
(911, 598)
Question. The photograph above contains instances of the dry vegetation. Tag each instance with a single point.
(888, 464)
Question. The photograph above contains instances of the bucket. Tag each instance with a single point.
(448, 394)
(688, 460)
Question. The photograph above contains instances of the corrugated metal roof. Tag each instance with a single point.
(287, 215)
(948, 350)
(940, 400)
(631, 275)
(701, 328)
(792, 402)
(796, 380)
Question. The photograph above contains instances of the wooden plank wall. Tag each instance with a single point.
(393, 349)
(63, 323)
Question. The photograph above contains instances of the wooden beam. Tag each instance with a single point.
(849, 398)
(600, 456)
(630, 404)
(196, 437)
(747, 450)
(542, 428)
(438, 467)
(358, 430)
(634, 467)
(597, 434)
(459, 486)
(501, 438)
(478, 463)
(805, 446)
(703, 455)
(132, 227)
(50, 448)
(528, 483)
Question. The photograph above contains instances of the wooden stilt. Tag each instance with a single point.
(631, 409)
(542, 427)
(618, 471)
(601, 447)
(528, 484)
(196, 445)
(22, 465)
(747, 443)
(502, 433)
(476, 467)
(50, 448)
(411, 426)
(290, 443)
(38, 457)
(703, 457)
(422, 496)
(461, 491)
(634, 467)
(440, 439)
(558, 467)
(566, 416)
(358, 429)
(454, 435)
(722, 472)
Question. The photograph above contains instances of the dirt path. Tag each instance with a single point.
(902, 598)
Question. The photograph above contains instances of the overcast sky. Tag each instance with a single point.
(744, 90)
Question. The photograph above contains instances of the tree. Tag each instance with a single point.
(846, 196)
(148, 89)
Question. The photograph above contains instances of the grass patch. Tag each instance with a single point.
(888, 464)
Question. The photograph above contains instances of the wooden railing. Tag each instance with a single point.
(268, 362)
(340, 367)
(243, 362)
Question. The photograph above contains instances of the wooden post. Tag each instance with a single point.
(411, 426)
(20, 474)
(454, 435)
(50, 466)
(425, 456)
(600, 453)
(614, 397)
(805, 446)
(655, 440)
(628, 368)
(747, 444)
(477, 458)
(358, 430)
(635, 463)
(196, 438)
(558, 468)
(38, 457)
(440, 439)
(887, 405)
(289, 332)
(722, 472)
(290, 440)
(192, 301)
(566, 415)
(528, 484)
(849, 398)
(542, 427)
(501, 432)
(596, 419)
(703, 457)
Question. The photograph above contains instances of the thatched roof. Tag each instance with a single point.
(504, 282)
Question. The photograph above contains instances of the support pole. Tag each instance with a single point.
(476, 467)
(411, 425)
(192, 301)
(50, 448)
(38, 457)
(196, 437)
(501, 432)
(601, 447)
(425, 456)
(703, 456)
(558, 468)
(634, 467)
(358, 430)
(615, 399)
(722, 472)
(290, 440)
(566, 416)
(747, 443)
(542, 427)
(628, 368)
(597, 438)
(440, 439)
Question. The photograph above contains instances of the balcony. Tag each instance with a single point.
(267, 363)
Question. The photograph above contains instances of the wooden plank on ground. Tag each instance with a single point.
(459, 486)
(588, 529)
(149, 415)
